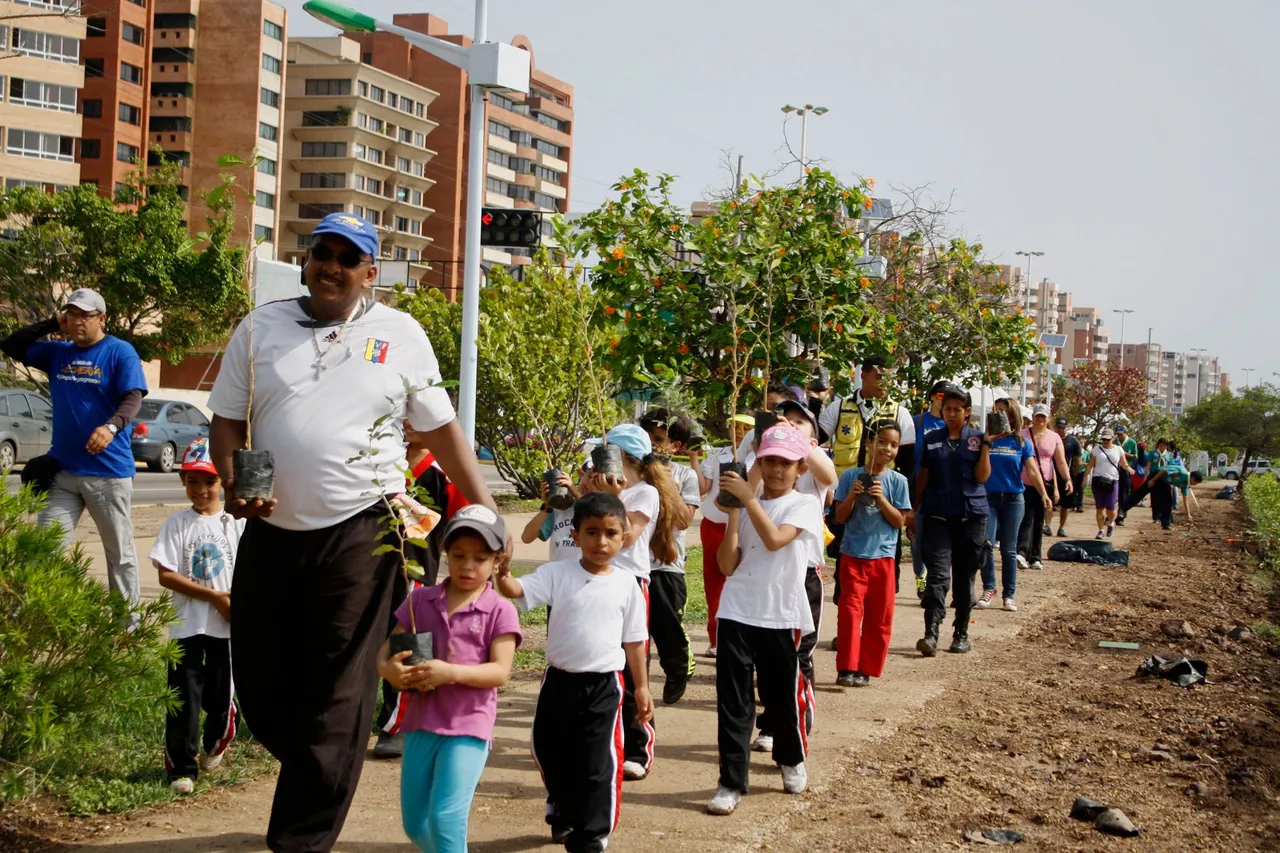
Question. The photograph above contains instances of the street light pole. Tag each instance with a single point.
(1022, 396)
(1199, 351)
(804, 112)
(468, 357)
(1246, 371)
(1122, 312)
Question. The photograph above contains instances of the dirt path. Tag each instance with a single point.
(669, 805)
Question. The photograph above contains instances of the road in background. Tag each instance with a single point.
(152, 488)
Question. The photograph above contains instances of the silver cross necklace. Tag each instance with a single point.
(332, 339)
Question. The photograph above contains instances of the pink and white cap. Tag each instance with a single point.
(784, 441)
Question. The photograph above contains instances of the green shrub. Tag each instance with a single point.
(1262, 499)
(79, 694)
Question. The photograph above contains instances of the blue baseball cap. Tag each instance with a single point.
(632, 439)
(361, 232)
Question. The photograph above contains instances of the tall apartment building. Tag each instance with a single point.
(199, 79)
(1050, 309)
(1087, 337)
(528, 145)
(114, 102)
(39, 92)
(354, 140)
(1186, 379)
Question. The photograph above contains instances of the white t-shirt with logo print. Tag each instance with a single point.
(767, 589)
(636, 560)
(557, 531)
(201, 548)
(316, 422)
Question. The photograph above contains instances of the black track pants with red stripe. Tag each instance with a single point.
(639, 737)
(768, 654)
(202, 680)
(577, 744)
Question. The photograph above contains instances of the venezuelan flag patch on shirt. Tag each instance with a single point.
(376, 351)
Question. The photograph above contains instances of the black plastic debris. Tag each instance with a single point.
(1226, 493)
(1184, 672)
(1072, 552)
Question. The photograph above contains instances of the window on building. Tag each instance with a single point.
(400, 253)
(267, 200)
(175, 55)
(130, 73)
(373, 216)
(357, 181)
(373, 155)
(174, 21)
(402, 194)
(90, 149)
(169, 124)
(125, 152)
(364, 89)
(406, 105)
(270, 63)
(546, 174)
(129, 114)
(132, 34)
(93, 108)
(328, 87)
(172, 90)
(415, 255)
(419, 139)
(377, 93)
(155, 158)
(95, 68)
(499, 130)
(46, 46)
(270, 97)
(373, 185)
(507, 104)
(419, 168)
(322, 180)
(392, 100)
(403, 164)
(263, 234)
(267, 166)
(325, 118)
(377, 125)
(95, 27)
(547, 148)
(417, 197)
(47, 96)
(402, 223)
(46, 146)
(317, 211)
(324, 149)
(406, 136)
(273, 30)
(496, 185)
(366, 58)
(415, 226)
(268, 132)
(552, 121)
(419, 109)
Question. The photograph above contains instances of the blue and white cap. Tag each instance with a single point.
(362, 233)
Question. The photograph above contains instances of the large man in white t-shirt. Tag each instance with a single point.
(309, 603)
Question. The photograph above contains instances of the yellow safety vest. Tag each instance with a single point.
(846, 447)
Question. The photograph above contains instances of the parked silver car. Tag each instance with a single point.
(163, 429)
(26, 426)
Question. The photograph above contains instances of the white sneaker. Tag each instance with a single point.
(210, 762)
(795, 779)
(764, 743)
(724, 802)
(182, 786)
(1022, 562)
(1037, 565)
(1010, 604)
(633, 771)
(710, 653)
(984, 600)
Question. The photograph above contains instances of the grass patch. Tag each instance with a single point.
(529, 659)
(508, 503)
(1266, 628)
(141, 785)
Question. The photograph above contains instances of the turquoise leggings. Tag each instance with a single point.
(438, 778)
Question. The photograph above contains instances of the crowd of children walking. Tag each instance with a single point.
(771, 504)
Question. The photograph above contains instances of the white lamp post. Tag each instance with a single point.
(804, 112)
(489, 65)
(1022, 396)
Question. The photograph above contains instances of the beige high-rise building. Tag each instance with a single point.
(42, 78)
(1087, 337)
(354, 140)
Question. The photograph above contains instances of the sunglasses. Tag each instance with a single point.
(348, 258)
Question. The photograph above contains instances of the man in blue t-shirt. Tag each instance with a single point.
(96, 385)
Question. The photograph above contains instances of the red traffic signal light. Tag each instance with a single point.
(517, 229)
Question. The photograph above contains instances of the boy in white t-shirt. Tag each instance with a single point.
(763, 614)
(555, 526)
(195, 554)
(596, 631)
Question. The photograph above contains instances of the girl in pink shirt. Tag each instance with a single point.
(453, 698)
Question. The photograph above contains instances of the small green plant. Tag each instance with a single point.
(80, 693)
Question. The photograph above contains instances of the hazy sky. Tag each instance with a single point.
(1132, 141)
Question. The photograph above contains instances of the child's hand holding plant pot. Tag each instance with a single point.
(611, 483)
(435, 673)
(732, 484)
(402, 676)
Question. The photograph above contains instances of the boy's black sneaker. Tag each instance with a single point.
(389, 746)
(959, 644)
(673, 690)
(560, 833)
(850, 678)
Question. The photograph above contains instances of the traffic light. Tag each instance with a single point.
(517, 229)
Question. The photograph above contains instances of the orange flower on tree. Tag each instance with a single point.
(865, 282)
(619, 253)
(866, 202)
(684, 349)
(610, 310)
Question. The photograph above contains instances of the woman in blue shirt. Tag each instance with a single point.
(1011, 454)
(954, 464)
